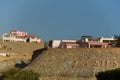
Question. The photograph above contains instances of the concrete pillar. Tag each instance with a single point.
(105, 46)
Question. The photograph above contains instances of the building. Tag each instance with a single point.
(91, 42)
(89, 39)
(111, 41)
(84, 42)
(102, 39)
(96, 45)
(69, 45)
(19, 36)
(54, 43)
(62, 43)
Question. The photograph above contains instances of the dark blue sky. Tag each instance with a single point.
(61, 19)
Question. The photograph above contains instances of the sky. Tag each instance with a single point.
(61, 19)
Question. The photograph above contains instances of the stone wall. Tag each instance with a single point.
(75, 64)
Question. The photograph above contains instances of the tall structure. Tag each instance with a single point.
(19, 36)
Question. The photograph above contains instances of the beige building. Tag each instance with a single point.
(90, 42)
(20, 36)
(63, 43)
(69, 45)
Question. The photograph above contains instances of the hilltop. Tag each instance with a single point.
(20, 49)
(20, 54)
(74, 64)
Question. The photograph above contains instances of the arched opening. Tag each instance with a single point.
(28, 40)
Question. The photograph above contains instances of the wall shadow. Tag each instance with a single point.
(38, 52)
(21, 65)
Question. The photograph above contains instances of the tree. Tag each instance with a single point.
(117, 37)
(109, 75)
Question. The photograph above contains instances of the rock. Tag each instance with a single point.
(74, 64)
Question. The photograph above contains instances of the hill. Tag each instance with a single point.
(20, 54)
(19, 49)
(74, 64)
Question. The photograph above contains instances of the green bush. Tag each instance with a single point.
(9, 74)
(117, 37)
(15, 74)
(28, 75)
(109, 75)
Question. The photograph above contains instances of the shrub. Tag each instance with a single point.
(9, 74)
(28, 75)
(109, 75)
(117, 37)
(7, 55)
(15, 74)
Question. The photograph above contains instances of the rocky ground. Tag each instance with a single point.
(74, 64)
(20, 54)
(64, 64)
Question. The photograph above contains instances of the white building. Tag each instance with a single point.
(54, 43)
(89, 41)
(102, 39)
(20, 36)
(59, 43)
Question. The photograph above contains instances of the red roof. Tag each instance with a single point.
(97, 43)
(31, 35)
(70, 42)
